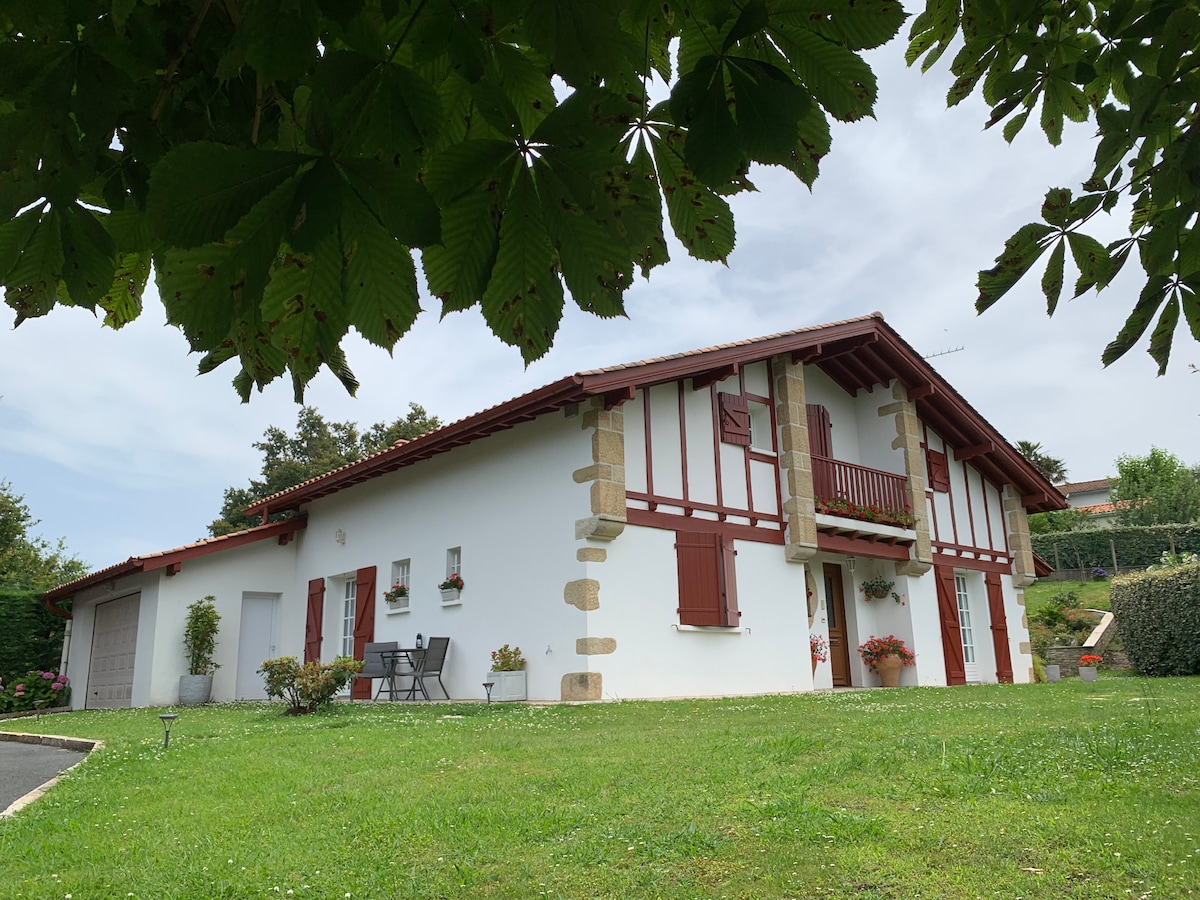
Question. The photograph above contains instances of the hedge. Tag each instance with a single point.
(1158, 617)
(32, 636)
(1137, 546)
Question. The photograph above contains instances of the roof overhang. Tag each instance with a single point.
(858, 354)
(171, 560)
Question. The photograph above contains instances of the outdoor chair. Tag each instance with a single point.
(374, 665)
(430, 665)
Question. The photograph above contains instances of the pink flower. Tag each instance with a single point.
(62, 679)
(20, 687)
(57, 686)
(49, 676)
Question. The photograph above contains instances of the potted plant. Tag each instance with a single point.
(451, 588)
(886, 656)
(508, 674)
(877, 587)
(818, 647)
(1087, 666)
(199, 645)
(397, 596)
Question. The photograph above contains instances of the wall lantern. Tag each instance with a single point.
(850, 560)
(339, 536)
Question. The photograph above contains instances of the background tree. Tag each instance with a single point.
(31, 637)
(1052, 468)
(1058, 520)
(1156, 489)
(316, 447)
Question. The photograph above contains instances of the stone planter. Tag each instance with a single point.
(889, 668)
(507, 685)
(451, 596)
(195, 690)
(1087, 673)
(1053, 673)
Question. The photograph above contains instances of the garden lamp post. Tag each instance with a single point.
(168, 719)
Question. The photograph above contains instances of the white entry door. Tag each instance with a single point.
(114, 646)
(256, 643)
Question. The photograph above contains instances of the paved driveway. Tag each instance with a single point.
(25, 767)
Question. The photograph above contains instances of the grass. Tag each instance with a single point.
(1091, 594)
(1032, 791)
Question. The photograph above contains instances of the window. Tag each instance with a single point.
(964, 619)
(939, 471)
(401, 577)
(348, 597)
(707, 582)
(761, 437)
(454, 561)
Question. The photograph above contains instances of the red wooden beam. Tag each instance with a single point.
(620, 395)
(712, 376)
(975, 450)
(836, 543)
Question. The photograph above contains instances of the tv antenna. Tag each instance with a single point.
(942, 353)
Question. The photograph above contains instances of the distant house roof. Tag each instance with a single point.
(173, 558)
(858, 354)
(1084, 487)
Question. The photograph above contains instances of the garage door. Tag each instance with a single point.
(114, 642)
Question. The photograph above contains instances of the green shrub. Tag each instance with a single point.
(306, 688)
(200, 636)
(1136, 545)
(24, 693)
(31, 636)
(1158, 614)
(1062, 621)
(1039, 670)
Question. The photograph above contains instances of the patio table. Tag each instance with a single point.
(393, 660)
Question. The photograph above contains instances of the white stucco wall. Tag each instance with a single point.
(657, 657)
(822, 390)
(510, 503)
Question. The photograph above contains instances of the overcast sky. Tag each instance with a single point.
(120, 448)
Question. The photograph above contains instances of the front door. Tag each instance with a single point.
(835, 610)
(256, 643)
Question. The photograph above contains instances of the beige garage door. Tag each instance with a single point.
(114, 642)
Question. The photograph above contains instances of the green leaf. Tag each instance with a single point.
(14, 236)
(462, 168)
(402, 205)
(854, 24)
(458, 270)
(700, 219)
(123, 302)
(699, 100)
(752, 19)
(200, 190)
(523, 302)
(1191, 313)
(1056, 206)
(31, 286)
(89, 262)
(1164, 331)
(638, 214)
(1021, 251)
(767, 107)
(304, 309)
(402, 119)
(1052, 278)
(1091, 258)
(1150, 299)
(582, 38)
(840, 80)
(594, 263)
(380, 279)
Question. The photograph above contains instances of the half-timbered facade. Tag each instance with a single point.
(674, 527)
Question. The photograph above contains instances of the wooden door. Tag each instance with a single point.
(835, 611)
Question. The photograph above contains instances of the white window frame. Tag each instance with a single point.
(761, 438)
(454, 561)
(349, 599)
(965, 621)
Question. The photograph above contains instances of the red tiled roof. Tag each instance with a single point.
(1098, 509)
(160, 560)
(1083, 487)
(857, 353)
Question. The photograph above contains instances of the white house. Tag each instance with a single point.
(672, 527)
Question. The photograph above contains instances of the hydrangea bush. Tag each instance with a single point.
(23, 694)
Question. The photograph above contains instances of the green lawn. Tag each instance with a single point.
(1091, 594)
(1033, 791)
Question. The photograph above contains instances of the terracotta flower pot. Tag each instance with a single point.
(889, 668)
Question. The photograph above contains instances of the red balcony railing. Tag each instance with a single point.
(836, 480)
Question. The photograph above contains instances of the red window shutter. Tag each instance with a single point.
(735, 419)
(995, 592)
(364, 625)
(729, 606)
(939, 471)
(820, 431)
(312, 626)
(698, 555)
(956, 669)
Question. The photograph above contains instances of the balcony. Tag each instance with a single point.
(855, 492)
